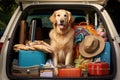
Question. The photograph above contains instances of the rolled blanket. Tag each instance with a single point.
(36, 45)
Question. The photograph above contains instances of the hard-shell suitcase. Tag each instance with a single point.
(31, 57)
(69, 72)
(105, 55)
(31, 71)
(98, 68)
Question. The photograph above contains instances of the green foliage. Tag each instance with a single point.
(7, 8)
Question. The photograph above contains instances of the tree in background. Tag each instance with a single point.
(7, 8)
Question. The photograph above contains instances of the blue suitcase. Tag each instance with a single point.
(105, 55)
(30, 58)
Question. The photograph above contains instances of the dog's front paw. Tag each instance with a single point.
(55, 72)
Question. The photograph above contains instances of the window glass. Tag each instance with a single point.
(45, 19)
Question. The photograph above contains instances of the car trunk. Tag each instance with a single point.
(88, 15)
(101, 2)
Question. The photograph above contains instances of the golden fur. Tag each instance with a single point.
(61, 37)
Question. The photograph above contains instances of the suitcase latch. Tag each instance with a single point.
(28, 71)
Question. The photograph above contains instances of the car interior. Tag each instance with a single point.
(41, 14)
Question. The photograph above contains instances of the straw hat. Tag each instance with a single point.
(91, 46)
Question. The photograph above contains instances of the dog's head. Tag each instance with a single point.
(61, 18)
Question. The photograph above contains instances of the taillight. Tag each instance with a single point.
(1, 44)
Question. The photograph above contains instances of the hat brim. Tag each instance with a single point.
(98, 51)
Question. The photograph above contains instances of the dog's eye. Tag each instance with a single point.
(58, 15)
(65, 15)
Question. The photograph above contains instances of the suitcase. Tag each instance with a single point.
(69, 72)
(105, 55)
(30, 58)
(98, 68)
(32, 71)
(32, 30)
(38, 31)
(35, 32)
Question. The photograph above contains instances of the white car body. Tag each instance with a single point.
(5, 39)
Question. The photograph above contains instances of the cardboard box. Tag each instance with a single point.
(98, 68)
(46, 72)
(69, 72)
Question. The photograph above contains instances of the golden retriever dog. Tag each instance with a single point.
(61, 37)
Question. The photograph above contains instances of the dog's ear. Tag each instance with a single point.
(52, 18)
(70, 18)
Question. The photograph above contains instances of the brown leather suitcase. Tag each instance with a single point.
(38, 32)
(32, 71)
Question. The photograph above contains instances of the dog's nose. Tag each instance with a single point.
(61, 21)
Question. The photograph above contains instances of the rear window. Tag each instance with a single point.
(45, 19)
(84, 16)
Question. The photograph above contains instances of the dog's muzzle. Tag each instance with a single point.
(62, 25)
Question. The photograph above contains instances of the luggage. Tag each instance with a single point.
(38, 31)
(30, 58)
(98, 68)
(32, 71)
(69, 72)
(105, 55)
(32, 30)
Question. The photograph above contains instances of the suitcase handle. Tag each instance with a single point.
(33, 28)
